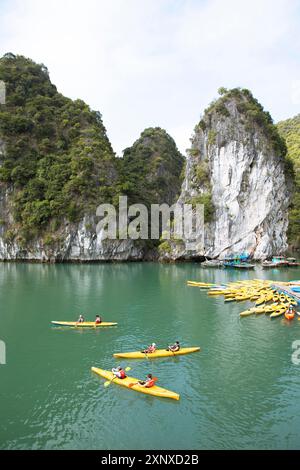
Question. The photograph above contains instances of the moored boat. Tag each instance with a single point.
(292, 262)
(213, 263)
(276, 262)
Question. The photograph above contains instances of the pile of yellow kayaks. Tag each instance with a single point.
(267, 300)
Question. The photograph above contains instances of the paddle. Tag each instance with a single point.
(143, 352)
(137, 383)
(108, 382)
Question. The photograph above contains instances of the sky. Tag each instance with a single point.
(145, 63)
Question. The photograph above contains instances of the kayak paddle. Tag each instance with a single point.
(108, 382)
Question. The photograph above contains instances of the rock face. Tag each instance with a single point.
(57, 166)
(244, 160)
(78, 243)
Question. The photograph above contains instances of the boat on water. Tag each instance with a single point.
(238, 261)
(157, 353)
(132, 384)
(289, 315)
(86, 324)
(238, 265)
(212, 263)
(292, 262)
(276, 262)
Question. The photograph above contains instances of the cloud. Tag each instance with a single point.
(145, 63)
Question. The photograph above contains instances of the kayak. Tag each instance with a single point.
(278, 312)
(266, 309)
(157, 353)
(289, 316)
(155, 391)
(86, 324)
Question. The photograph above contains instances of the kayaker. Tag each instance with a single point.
(174, 347)
(148, 383)
(151, 349)
(98, 319)
(119, 372)
(291, 311)
(80, 319)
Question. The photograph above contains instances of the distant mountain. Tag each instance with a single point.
(152, 168)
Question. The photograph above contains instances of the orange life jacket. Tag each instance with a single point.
(150, 383)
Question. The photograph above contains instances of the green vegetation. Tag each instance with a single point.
(290, 131)
(254, 115)
(58, 160)
(59, 164)
(202, 174)
(205, 199)
(151, 170)
(212, 135)
(164, 247)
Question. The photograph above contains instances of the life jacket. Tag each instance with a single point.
(98, 320)
(122, 374)
(150, 383)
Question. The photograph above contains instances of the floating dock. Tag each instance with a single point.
(287, 290)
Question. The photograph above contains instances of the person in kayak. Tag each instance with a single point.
(174, 347)
(291, 310)
(148, 383)
(119, 372)
(98, 319)
(80, 319)
(151, 349)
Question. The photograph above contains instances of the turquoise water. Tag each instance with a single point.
(242, 391)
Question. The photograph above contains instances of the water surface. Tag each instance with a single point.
(242, 391)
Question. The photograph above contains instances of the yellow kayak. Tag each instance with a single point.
(156, 391)
(279, 312)
(86, 324)
(157, 353)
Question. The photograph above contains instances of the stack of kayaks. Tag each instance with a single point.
(262, 292)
